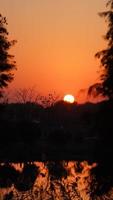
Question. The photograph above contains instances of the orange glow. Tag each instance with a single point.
(56, 43)
(69, 98)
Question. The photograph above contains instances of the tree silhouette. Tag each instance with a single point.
(26, 95)
(7, 64)
(105, 86)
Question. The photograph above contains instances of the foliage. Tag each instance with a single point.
(49, 101)
(105, 86)
(27, 177)
(7, 64)
(7, 172)
(30, 95)
(56, 170)
(26, 95)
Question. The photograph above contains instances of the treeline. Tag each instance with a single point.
(57, 124)
(27, 131)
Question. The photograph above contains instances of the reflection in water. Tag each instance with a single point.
(52, 180)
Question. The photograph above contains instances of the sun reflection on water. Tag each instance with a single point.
(57, 180)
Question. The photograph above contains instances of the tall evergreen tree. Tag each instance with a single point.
(7, 64)
(105, 86)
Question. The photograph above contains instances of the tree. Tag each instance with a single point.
(49, 101)
(26, 95)
(7, 64)
(105, 86)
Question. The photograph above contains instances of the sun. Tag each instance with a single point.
(69, 98)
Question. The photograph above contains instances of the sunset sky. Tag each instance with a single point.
(57, 40)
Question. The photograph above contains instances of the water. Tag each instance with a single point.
(64, 180)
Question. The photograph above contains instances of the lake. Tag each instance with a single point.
(65, 180)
